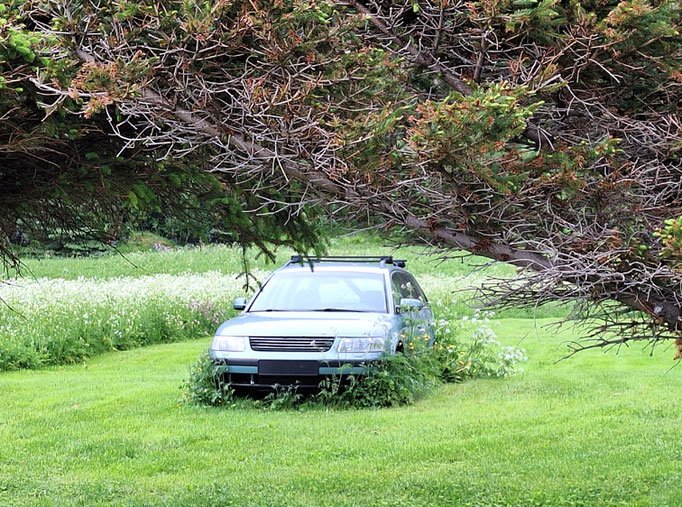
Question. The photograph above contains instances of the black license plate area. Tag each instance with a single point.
(304, 368)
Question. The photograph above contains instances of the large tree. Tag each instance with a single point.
(541, 133)
(65, 174)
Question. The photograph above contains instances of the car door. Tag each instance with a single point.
(414, 323)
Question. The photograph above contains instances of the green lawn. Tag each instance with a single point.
(598, 428)
(227, 259)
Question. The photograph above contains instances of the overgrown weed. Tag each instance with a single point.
(462, 351)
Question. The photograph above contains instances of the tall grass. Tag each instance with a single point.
(54, 321)
(70, 309)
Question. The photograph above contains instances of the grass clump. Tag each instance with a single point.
(395, 380)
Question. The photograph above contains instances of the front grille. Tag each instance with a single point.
(290, 344)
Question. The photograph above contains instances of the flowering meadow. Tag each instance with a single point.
(55, 321)
(50, 321)
(74, 308)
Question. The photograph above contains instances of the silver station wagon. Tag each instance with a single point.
(312, 319)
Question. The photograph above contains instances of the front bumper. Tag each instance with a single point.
(264, 374)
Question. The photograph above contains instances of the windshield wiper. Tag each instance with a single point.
(337, 310)
(310, 310)
(273, 310)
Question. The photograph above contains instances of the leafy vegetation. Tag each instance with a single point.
(461, 352)
(542, 133)
(112, 428)
(55, 321)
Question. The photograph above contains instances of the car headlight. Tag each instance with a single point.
(369, 344)
(229, 343)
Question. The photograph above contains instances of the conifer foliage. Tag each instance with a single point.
(545, 133)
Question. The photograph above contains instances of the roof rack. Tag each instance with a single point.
(381, 259)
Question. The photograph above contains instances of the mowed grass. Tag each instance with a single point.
(597, 428)
(228, 259)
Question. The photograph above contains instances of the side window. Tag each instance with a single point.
(419, 293)
(395, 285)
(405, 286)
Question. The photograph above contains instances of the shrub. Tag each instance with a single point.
(203, 385)
(395, 380)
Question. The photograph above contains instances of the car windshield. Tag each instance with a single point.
(305, 290)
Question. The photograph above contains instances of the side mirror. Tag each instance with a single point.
(410, 305)
(239, 303)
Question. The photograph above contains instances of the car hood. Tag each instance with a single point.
(307, 324)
